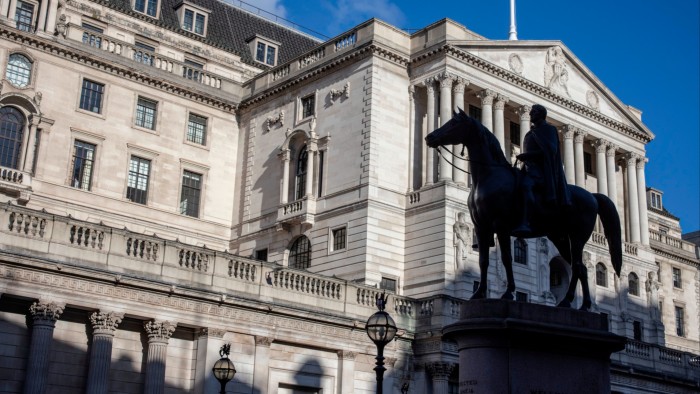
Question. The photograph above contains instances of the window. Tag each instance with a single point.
(192, 70)
(601, 275)
(91, 96)
(194, 21)
(637, 326)
(388, 284)
(146, 113)
(143, 53)
(300, 253)
(190, 194)
(308, 106)
(11, 131)
(588, 163)
(83, 164)
(633, 284)
(19, 70)
(24, 15)
(261, 254)
(321, 155)
(514, 133)
(148, 7)
(89, 37)
(656, 200)
(339, 238)
(475, 112)
(197, 129)
(520, 251)
(300, 180)
(677, 283)
(680, 324)
(520, 296)
(265, 53)
(137, 186)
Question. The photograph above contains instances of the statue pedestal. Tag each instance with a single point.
(516, 347)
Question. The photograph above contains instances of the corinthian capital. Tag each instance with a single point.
(46, 311)
(459, 85)
(568, 131)
(486, 96)
(439, 369)
(523, 112)
(580, 135)
(105, 322)
(612, 149)
(600, 145)
(446, 80)
(631, 159)
(430, 84)
(159, 330)
(411, 91)
(501, 101)
(641, 162)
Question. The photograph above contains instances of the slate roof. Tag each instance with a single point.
(228, 28)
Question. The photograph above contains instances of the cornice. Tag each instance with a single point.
(84, 57)
(530, 86)
(664, 253)
(361, 52)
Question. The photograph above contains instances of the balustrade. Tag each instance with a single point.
(599, 239)
(367, 297)
(280, 72)
(194, 260)
(312, 57)
(27, 224)
(638, 349)
(141, 248)
(86, 236)
(670, 356)
(671, 241)
(241, 270)
(346, 41)
(304, 283)
(630, 248)
(12, 176)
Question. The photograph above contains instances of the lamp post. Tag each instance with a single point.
(223, 369)
(381, 330)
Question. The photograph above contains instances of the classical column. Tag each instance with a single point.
(28, 159)
(610, 166)
(103, 327)
(633, 200)
(486, 96)
(445, 115)
(411, 136)
(440, 373)
(430, 156)
(600, 147)
(523, 113)
(568, 132)
(51, 19)
(209, 341)
(4, 4)
(580, 171)
(285, 155)
(261, 370)
(499, 120)
(642, 196)
(13, 10)
(311, 158)
(347, 373)
(458, 88)
(158, 334)
(42, 15)
(460, 175)
(44, 315)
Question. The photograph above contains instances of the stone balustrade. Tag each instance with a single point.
(298, 211)
(644, 355)
(631, 248)
(16, 183)
(673, 242)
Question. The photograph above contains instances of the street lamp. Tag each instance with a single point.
(381, 330)
(224, 370)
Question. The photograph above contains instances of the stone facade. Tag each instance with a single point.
(172, 191)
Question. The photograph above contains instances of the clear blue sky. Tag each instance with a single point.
(645, 51)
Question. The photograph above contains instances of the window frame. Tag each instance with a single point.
(203, 171)
(303, 252)
(637, 291)
(103, 101)
(207, 129)
(195, 9)
(156, 115)
(141, 46)
(332, 248)
(680, 328)
(32, 24)
(145, 8)
(520, 249)
(301, 172)
(677, 280)
(144, 153)
(655, 200)
(603, 272)
(387, 278)
(514, 126)
(91, 138)
(255, 44)
(20, 144)
(32, 69)
(300, 103)
(88, 27)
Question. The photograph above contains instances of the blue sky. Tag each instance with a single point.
(645, 51)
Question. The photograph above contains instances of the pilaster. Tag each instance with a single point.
(347, 373)
(209, 341)
(440, 372)
(642, 197)
(261, 372)
(460, 174)
(285, 155)
(432, 125)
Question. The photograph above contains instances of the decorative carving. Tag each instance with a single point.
(461, 239)
(272, 120)
(211, 332)
(568, 131)
(346, 355)
(46, 311)
(62, 26)
(631, 159)
(593, 100)
(612, 149)
(459, 85)
(515, 64)
(641, 162)
(501, 101)
(159, 330)
(439, 369)
(486, 96)
(446, 80)
(600, 145)
(345, 92)
(580, 135)
(263, 341)
(543, 245)
(105, 322)
(524, 113)
(556, 74)
(652, 287)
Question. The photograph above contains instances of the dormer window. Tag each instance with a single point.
(193, 18)
(655, 199)
(264, 50)
(148, 7)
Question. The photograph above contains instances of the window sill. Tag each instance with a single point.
(100, 115)
(196, 145)
(145, 129)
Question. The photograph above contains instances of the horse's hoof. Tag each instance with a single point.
(564, 304)
(585, 307)
(478, 295)
(507, 296)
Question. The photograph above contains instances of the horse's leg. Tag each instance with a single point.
(507, 260)
(565, 252)
(485, 238)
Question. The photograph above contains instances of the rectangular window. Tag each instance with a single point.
(265, 53)
(190, 194)
(188, 20)
(261, 254)
(588, 163)
(194, 22)
(339, 238)
(270, 59)
(197, 129)
(475, 112)
(514, 133)
(680, 323)
(677, 283)
(199, 24)
(91, 96)
(656, 200)
(148, 7)
(320, 172)
(520, 296)
(143, 53)
(24, 14)
(137, 186)
(260, 52)
(89, 36)
(192, 70)
(308, 106)
(637, 326)
(146, 113)
(388, 284)
(83, 163)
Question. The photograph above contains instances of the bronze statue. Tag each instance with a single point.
(494, 195)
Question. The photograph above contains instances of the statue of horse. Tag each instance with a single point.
(493, 204)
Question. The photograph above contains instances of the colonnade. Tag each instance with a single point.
(48, 10)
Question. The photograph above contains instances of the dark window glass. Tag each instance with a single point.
(308, 105)
(520, 251)
(89, 36)
(339, 238)
(146, 113)
(192, 70)
(677, 278)
(588, 163)
(520, 296)
(475, 112)
(11, 132)
(24, 15)
(320, 172)
(261, 254)
(388, 284)
(300, 180)
(19, 70)
(300, 253)
(140, 5)
(199, 24)
(270, 59)
(633, 284)
(680, 323)
(514, 133)
(197, 129)
(91, 96)
(152, 7)
(137, 185)
(191, 193)
(143, 53)
(260, 52)
(601, 275)
(83, 163)
(637, 326)
(188, 20)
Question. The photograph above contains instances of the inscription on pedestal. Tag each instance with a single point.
(468, 386)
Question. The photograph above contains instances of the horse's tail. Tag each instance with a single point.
(611, 228)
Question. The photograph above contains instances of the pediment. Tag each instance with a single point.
(553, 66)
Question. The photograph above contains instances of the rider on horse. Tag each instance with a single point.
(543, 171)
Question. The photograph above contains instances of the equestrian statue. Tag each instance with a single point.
(531, 202)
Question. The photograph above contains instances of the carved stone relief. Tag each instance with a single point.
(593, 100)
(556, 74)
(515, 64)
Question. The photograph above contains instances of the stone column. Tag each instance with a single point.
(524, 114)
(499, 120)
(440, 373)
(460, 177)
(103, 327)
(445, 116)
(568, 132)
(42, 15)
(347, 373)
(458, 89)
(580, 171)
(44, 315)
(158, 334)
(312, 149)
(430, 156)
(28, 159)
(11, 13)
(610, 166)
(285, 155)
(4, 4)
(411, 136)
(209, 341)
(51, 19)
(632, 198)
(642, 196)
(486, 96)
(600, 147)
(261, 372)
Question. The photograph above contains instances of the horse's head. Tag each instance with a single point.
(451, 133)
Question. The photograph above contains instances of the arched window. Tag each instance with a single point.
(11, 131)
(300, 179)
(633, 284)
(520, 251)
(300, 253)
(601, 275)
(19, 70)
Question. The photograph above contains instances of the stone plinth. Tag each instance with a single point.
(515, 347)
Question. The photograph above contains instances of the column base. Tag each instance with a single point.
(515, 347)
